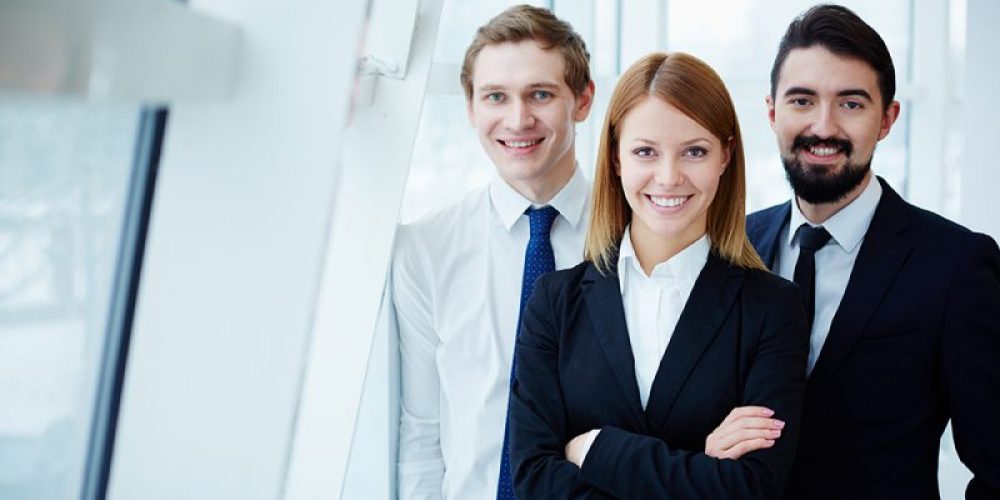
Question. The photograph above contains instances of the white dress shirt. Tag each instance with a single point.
(456, 286)
(834, 261)
(653, 304)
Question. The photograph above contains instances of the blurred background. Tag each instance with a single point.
(198, 202)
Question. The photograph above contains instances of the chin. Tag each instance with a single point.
(667, 230)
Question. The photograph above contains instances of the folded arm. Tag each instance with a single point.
(630, 465)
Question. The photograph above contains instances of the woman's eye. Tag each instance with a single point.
(696, 152)
(643, 151)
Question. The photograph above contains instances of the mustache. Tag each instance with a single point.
(808, 141)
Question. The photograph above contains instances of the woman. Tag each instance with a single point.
(627, 362)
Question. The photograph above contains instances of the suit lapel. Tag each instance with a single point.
(765, 236)
(704, 314)
(602, 294)
(882, 254)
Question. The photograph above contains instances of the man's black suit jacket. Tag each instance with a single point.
(741, 340)
(914, 342)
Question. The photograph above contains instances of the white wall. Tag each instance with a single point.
(236, 241)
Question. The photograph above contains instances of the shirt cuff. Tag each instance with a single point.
(591, 436)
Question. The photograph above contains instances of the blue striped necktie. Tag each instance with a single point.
(538, 260)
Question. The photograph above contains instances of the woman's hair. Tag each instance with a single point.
(688, 84)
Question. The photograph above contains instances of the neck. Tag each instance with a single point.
(818, 213)
(541, 190)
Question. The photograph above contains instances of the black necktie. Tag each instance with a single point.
(810, 240)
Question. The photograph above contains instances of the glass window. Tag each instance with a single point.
(447, 158)
(65, 173)
(458, 23)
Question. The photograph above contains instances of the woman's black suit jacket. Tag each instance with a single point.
(741, 340)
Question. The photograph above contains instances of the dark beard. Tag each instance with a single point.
(815, 186)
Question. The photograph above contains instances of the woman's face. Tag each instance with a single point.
(669, 167)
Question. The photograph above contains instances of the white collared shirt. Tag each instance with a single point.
(653, 304)
(834, 261)
(456, 287)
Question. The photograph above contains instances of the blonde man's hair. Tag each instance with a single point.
(525, 22)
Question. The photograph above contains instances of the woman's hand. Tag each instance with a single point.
(577, 448)
(745, 429)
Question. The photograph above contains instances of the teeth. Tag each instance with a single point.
(662, 201)
(521, 144)
(821, 151)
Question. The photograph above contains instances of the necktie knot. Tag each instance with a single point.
(812, 238)
(541, 220)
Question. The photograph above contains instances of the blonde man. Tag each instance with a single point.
(460, 276)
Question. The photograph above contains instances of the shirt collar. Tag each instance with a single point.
(570, 201)
(685, 267)
(848, 226)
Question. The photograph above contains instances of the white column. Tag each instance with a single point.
(377, 151)
(233, 260)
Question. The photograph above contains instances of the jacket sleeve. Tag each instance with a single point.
(970, 353)
(538, 419)
(624, 464)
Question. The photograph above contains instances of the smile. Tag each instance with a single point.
(668, 201)
(823, 151)
(520, 143)
(822, 154)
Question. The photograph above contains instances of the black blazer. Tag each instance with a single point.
(915, 341)
(741, 340)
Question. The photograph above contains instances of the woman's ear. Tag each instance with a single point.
(727, 153)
